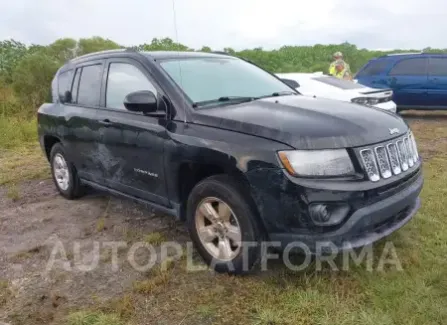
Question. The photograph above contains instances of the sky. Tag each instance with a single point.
(239, 24)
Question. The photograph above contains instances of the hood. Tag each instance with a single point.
(306, 123)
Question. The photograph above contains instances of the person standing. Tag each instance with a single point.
(339, 68)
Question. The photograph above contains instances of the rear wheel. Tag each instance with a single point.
(223, 225)
(64, 173)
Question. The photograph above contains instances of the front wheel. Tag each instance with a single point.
(223, 225)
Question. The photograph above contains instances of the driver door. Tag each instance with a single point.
(131, 143)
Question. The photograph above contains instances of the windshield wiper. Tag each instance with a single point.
(225, 99)
(279, 93)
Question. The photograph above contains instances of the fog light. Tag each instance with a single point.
(328, 214)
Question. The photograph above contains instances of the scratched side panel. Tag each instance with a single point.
(77, 128)
(235, 152)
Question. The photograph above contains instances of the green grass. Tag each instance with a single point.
(21, 157)
(155, 238)
(17, 132)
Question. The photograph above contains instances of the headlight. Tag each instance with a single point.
(360, 100)
(317, 162)
(365, 101)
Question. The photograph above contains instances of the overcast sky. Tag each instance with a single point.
(374, 24)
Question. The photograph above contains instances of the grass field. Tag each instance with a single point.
(415, 295)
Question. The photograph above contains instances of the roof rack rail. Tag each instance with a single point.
(403, 53)
(103, 52)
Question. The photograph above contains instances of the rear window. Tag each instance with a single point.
(437, 67)
(410, 67)
(90, 85)
(64, 84)
(373, 68)
(339, 83)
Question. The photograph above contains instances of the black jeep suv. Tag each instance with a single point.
(234, 151)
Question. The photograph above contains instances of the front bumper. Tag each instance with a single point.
(372, 216)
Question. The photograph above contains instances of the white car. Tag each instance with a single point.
(324, 86)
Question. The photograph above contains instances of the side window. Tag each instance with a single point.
(373, 68)
(90, 85)
(124, 78)
(75, 87)
(437, 67)
(410, 67)
(63, 85)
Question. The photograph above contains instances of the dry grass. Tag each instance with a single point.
(155, 238)
(23, 163)
(5, 292)
(13, 192)
(389, 297)
(157, 279)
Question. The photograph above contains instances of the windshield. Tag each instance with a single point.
(339, 83)
(210, 79)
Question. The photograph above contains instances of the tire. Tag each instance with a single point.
(224, 253)
(73, 188)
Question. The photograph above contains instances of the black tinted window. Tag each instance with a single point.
(64, 84)
(373, 68)
(412, 67)
(437, 67)
(74, 89)
(123, 79)
(90, 85)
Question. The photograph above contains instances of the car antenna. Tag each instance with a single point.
(179, 65)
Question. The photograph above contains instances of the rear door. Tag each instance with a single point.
(82, 124)
(408, 79)
(131, 143)
(437, 81)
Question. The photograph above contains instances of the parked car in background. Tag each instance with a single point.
(418, 80)
(227, 147)
(324, 86)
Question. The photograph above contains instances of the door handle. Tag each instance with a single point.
(106, 122)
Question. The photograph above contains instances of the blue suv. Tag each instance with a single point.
(418, 80)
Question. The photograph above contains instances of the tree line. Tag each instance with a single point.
(26, 71)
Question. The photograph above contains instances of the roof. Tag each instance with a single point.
(153, 54)
(182, 54)
(415, 54)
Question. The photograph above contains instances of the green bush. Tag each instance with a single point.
(28, 70)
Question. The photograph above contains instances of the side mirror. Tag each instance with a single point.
(67, 98)
(141, 101)
(291, 83)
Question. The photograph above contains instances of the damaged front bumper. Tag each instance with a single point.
(374, 213)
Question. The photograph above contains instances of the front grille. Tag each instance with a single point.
(390, 158)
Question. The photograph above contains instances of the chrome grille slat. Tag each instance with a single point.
(402, 155)
(383, 162)
(390, 158)
(369, 161)
(394, 158)
(409, 152)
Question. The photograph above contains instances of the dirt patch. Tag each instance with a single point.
(40, 219)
